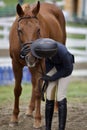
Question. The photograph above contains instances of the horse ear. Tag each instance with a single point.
(35, 11)
(19, 10)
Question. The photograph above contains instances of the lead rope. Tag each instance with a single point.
(42, 86)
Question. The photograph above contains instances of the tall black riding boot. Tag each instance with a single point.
(62, 108)
(49, 109)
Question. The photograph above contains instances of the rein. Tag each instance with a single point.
(42, 87)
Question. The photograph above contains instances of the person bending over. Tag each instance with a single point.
(59, 66)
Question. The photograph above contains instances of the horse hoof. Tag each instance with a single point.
(12, 124)
(29, 113)
(37, 128)
(41, 128)
(37, 125)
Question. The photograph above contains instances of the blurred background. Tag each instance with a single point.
(75, 12)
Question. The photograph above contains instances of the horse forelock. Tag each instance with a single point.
(27, 10)
(25, 7)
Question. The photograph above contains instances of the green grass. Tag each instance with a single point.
(76, 36)
(73, 24)
(77, 91)
(7, 94)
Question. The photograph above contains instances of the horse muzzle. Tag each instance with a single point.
(26, 54)
(30, 60)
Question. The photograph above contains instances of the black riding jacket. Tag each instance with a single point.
(62, 61)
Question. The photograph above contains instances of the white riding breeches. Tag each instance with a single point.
(57, 88)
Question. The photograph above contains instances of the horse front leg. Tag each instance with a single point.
(17, 69)
(37, 114)
(31, 106)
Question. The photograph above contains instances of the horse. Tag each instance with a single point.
(38, 20)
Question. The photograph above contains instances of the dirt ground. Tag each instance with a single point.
(76, 118)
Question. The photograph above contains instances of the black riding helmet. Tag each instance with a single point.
(43, 48)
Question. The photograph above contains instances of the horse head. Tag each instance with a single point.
(28, 29)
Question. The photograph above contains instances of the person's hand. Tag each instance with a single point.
(24, 51)
(46, 78)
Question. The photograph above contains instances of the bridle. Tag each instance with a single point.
(24, 46)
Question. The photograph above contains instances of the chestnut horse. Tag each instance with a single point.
(32, 22)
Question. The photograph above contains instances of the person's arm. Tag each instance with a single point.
(65, 69)
(49, 65)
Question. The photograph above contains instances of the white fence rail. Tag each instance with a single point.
(5, 24)
(78, 47)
